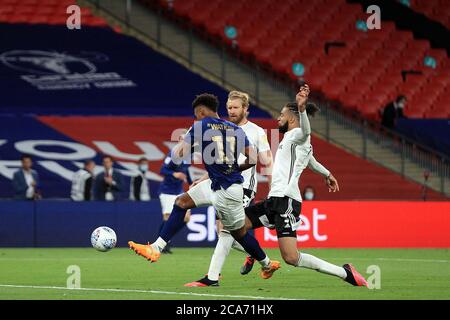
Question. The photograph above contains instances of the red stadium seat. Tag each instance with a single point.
(6, 9)
(38, 19)
(368, 68)
(18, 18)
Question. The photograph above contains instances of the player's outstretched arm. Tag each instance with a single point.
(266, 160)
(332, 183)
(301, 98)
(316, 167)
(330, 180)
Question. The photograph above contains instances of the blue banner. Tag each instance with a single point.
(52, 70)
(70, 224)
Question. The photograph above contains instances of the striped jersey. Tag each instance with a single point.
(292, 157)
(258, 138)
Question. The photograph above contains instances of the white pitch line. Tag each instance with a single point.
(148, 291)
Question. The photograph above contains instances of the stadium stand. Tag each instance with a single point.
(51, 12)
(140, 81)
(437, 10)
(364, 74)
(59, 145)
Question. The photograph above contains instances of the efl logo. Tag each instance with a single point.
(74, 20)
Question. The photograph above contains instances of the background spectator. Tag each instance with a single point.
(309, 193)
(82, 182)
(139, 190)
(175, 175)
(393, 111)
(108, 184)
(26, 180)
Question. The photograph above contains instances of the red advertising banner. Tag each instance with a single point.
(370, 224)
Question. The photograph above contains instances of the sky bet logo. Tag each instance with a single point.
(202, 227)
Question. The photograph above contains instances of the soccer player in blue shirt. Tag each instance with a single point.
(175, 175)
(221, 143)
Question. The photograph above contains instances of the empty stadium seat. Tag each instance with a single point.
(52, 12)
(374, 57)
(438, 10)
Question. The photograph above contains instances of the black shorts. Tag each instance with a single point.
(249, 196)
(276, 213)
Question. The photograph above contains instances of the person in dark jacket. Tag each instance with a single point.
(393, 111)
(26, 181)
(108, 184)
(139, 190)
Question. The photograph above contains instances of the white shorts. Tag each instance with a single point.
(229, 208)
(201, 194)
(167, 202)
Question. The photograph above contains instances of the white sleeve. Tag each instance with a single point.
(78, 187)
(300, 135)
(304, 123)
(317, 167)
(262, 145)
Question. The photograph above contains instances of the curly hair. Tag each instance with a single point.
(208, 100)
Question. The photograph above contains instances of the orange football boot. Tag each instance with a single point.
(145, 250)
(267, 273)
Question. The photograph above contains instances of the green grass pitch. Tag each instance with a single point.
(120, 274)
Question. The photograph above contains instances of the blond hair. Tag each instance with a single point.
(240, 95)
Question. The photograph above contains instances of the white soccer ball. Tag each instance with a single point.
(103, 239)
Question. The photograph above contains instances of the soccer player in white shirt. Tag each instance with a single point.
(282, 207)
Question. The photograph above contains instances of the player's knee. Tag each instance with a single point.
(182, 203)
(238, 234)
(248, 224)
(291, 259)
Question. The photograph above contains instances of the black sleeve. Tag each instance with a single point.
(99, 188)
(88, 189)
(137, 187)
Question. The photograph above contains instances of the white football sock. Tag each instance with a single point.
(237, 246)
(310, 262)
(265, 263)
(159, 244)
(221, 252)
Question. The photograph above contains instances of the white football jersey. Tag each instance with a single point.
(258, 138)
(292, 157)
(78, 184)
